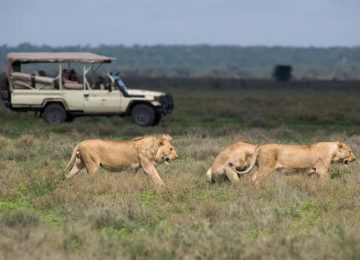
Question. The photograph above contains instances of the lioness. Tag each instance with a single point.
(313, 158)
(231, 161)
(141, 152)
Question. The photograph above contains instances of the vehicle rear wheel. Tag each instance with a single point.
(143, 115)
(54, 113)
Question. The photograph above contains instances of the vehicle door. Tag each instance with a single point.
(74, 96)
(102, 101)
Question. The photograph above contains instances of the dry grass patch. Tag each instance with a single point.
(3, 142)
(26, 141)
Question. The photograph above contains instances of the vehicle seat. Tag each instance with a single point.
(44, 82)
(21, 80)
(73, 86)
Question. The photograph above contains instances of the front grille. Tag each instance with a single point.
(167, 104)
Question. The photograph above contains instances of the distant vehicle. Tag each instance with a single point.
(59, 99)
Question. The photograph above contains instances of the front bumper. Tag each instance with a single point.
(167, 104)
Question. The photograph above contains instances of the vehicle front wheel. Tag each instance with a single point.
(54, 113)
(143, 115)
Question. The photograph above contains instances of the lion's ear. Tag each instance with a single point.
(340, 145)
(164, 139)
(167, 137)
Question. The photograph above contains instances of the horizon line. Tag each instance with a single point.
(177, 45)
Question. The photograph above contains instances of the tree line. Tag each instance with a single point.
(216, 61)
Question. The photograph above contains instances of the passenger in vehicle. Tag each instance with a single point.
(40, 73)
(65, 77)
(101, 83)
(73, 75)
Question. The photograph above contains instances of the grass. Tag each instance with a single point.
(121, 216)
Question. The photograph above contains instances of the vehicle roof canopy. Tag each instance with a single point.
(44, 57)
(32, 57)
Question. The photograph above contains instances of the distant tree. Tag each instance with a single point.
(282, 72)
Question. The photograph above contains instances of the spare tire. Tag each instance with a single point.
(4, 87)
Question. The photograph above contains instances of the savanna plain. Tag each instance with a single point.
(122, 216)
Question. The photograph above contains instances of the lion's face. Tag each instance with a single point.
(345, 154)
(166, 151)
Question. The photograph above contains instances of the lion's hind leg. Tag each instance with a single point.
(92, 166)
(264, 170)
(260, 174)
(266, 165)
(91, 161)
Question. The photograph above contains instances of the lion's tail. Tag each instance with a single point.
(72, 159)
(209, 175)
(256, 154)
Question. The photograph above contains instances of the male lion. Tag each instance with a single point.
(312, 158)
(229, 163)
(141, 152)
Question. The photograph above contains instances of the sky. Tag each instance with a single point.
(300, 23)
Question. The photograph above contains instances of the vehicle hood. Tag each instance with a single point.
(146, 93)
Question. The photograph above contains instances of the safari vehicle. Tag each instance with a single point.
(58, 100)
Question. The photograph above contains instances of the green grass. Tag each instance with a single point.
(121, 216)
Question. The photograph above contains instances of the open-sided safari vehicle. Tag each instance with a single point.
(59, 98)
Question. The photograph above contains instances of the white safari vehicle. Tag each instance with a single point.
(59, 98)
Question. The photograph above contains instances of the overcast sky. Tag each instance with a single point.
(149, 22)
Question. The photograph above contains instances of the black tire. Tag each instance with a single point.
(143, 115)
(4, 87)
(3, 82)
(157, 119)
(54, 113)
